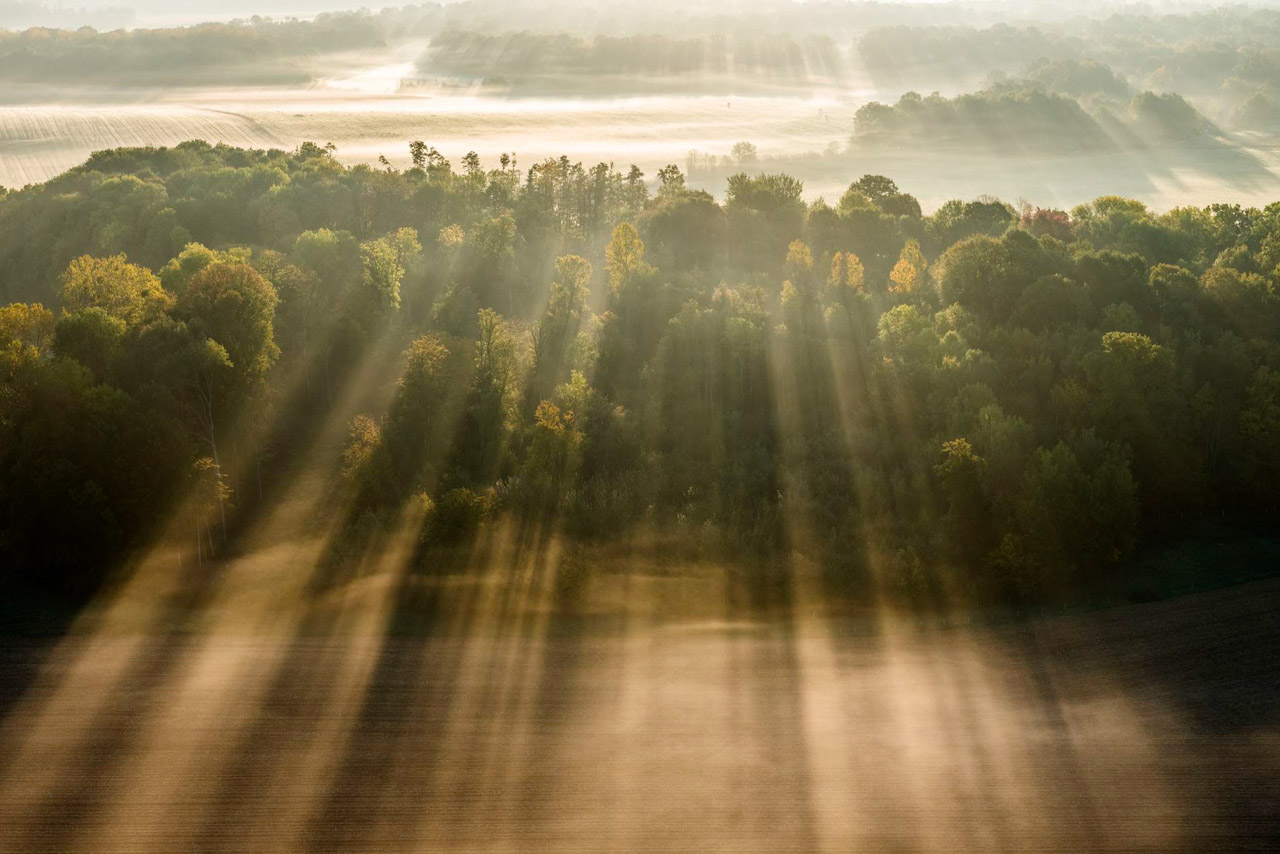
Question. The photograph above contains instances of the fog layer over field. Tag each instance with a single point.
(1050, 108)
(39, 141)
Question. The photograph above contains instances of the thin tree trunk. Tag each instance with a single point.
(213, 446)
(328, 377)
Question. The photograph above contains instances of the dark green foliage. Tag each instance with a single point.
(84, 470)
(1009, 403)
(455, 517)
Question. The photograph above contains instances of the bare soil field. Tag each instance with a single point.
(1152, 727)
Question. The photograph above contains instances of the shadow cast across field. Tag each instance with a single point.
(652, 706)
(81, 742)
(450, 698)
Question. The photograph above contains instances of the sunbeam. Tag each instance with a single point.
(801, 427)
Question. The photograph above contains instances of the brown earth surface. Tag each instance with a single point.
(1152, 727)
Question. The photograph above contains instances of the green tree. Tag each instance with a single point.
(967, 507)
(624, 256)
(499, 361)
(194, 257)
(234, 305)
(383, 272)
(423, 380)
(92, 337)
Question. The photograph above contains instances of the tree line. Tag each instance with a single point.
(520, 55)
(1228, 58)
(249, 50)
(1016, 116)
(1004, 402)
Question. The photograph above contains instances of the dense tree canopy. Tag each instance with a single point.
(1010, 401)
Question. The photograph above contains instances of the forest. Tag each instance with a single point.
(997, 403)
(531, 58)
(1227, 57)
(1014, 116)
(247, 51)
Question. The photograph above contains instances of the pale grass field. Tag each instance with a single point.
(38, 142)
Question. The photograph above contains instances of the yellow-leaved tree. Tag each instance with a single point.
(123, 290)
(908, 275)
(847, 274)
(624, 256)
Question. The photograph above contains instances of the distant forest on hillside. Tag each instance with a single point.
(513, 56)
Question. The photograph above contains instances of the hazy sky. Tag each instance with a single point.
(106, 14)
(109, 13)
